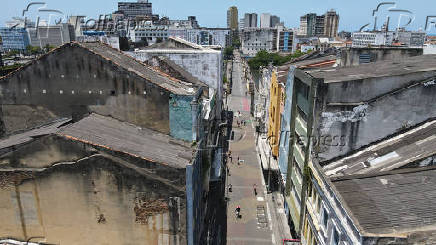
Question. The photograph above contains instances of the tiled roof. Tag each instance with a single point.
(27, 136)
(114, 135)
(125, 61)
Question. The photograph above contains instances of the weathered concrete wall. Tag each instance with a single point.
(360, 125)
(42, 153)
(92, 201)
(351, 56)
(206, 66)
(73, 76)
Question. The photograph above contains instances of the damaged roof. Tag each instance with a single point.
(125, 61)
(27, 136)
(187, 76)
(391, 204)
(123, 137)
(422, 63)
(395, 151)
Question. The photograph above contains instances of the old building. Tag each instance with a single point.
(335, 110)
(210, 36)
(203, 63)
(95, 78)
(256, 39)
(96, 176)
(379, 194)
(136, 155)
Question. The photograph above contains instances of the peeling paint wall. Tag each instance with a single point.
(181, 117)
(71, 78)
(93, 201)
(390, 112)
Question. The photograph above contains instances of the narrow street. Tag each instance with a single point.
(254, 226)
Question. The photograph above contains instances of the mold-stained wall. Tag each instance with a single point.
(72, 78)
(93, 200)
(372, 112)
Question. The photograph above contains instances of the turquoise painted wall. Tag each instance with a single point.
(181, 117)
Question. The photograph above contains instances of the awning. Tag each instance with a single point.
(268, 163)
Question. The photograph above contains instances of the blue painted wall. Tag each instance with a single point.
(285, 125)
(181, 117)
(194, 194)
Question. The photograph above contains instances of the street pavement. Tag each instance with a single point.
(254, 226)
(263, 219)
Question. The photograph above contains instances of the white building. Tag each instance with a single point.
(366, 39)
(209, 36)
(149, 32)
(265, 20)
(203, 63)
(257, 39)
(399, 37)
(53, 35)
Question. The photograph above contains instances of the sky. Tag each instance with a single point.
(212, 13)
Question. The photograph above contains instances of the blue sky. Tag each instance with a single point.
(212, 13)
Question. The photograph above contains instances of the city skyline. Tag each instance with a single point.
(214, 14)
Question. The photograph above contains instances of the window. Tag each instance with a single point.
(318, 204)
(335, 237)
(325, 217)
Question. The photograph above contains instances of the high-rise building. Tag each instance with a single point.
(307, 24)
(331, 22)
(265, 20)
(134, 9)
(250, 20)
(285, 39)
(275, 20)
(241, 24)
(319, 25)
(232, 18)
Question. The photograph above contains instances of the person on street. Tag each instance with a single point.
(255, 189)
(238, 211)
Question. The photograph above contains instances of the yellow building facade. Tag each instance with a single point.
(275, 108)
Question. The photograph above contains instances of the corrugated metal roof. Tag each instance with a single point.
(109, 133)
(394, 152)
(398, 203)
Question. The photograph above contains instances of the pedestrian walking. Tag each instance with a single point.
(230, 188)
(255, 189)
